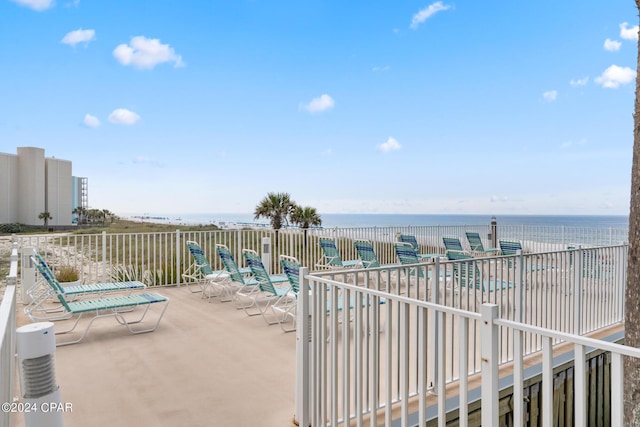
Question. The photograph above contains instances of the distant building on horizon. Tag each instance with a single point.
(31, 183)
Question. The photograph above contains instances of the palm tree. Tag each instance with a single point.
(106, 214)
(93, 215)
(81, 212)
(277, 207)
(45, 216)
(632, 290)
(305, 217)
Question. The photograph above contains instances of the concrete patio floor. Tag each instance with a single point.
(207, 364)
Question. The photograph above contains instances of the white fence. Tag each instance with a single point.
(382, 338)
(159, 259)
(8, 338)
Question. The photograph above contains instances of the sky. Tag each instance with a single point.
(445, 107)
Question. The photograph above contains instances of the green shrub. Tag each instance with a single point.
(67, 273)
(11, 228)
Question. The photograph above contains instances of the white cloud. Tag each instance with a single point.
(91, 121)
(38, 5)
(614, 76)
(391, 145)
(568, 144)
(612, 45)
(322, 103)
(579, 82)
(146, 53)
(78, 36)
(141, 160)
(122, 116)
(628, 33)
(550, 95)
(427, 13)
(381, 69)
(498, 199)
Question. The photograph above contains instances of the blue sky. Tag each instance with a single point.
(446, 107)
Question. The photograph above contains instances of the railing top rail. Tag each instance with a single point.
(398, 298)
(575, 339)
(6, 310)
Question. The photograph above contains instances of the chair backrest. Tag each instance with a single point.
(464, 272)
(452, 244)
(229, 263)
(199, 258)
(366, 253)
(46, 273)
(475, 242)
(51, 280)
(291, 268)
(254, 262)
(406, 253)
(509, 247)
(330, 251)
(411, 239)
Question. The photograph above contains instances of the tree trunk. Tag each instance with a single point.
(632, 291)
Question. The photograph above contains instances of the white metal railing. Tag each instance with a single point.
(430, 330)
(8, 337)
(160, 258)
(490, 326)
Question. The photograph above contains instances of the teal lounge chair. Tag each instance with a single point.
(407, 255)
(367, 255)
(509, 247)
(475, 244)
(242, 278)
(212, 283)
(40, 295)
(452, 244)
(411, 239)
(468, 275)
(291, 267)
(266, 292)
(331, 256)
(116, 306)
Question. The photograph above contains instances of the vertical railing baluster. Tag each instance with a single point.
(489, 348)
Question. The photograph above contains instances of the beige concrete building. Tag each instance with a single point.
(31, 183)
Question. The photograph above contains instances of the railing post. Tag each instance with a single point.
(518, 339)
(104, 256)
(489, 367)
(579, 387)
(178, 258)
(435, 330)
(577, 291)
(28, 272)
(239, 244)
(617, 389)
(494, 232)
(303, 363)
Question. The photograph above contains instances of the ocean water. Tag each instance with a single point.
(399, 220)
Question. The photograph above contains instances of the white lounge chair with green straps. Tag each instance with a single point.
(267, 293)
(39, 308)
(331, 256)
(116, 306)
(212, 283)
(243, 278)
(411, 239)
